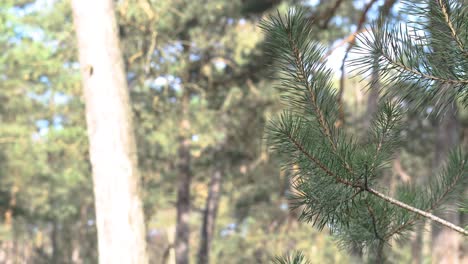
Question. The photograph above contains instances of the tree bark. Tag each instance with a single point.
(182, 239)
(119, 214)
(209, 216)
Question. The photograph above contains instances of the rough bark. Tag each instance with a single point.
(209, 216)
(182, 239)
(119, 214)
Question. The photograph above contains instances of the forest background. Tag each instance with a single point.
(201, 93)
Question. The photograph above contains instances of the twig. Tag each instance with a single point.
(433, 206)
(346, 40)
(419, 212)
(135, 57)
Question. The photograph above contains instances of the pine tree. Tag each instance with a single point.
(337, 175)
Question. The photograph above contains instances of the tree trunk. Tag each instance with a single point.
(119, 214)
(182, 238)
(78, 252)
(209, 216)
(374, 92)
(446, 242)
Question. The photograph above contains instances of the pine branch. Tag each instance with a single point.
(402, 68)
(391, 200)
(336, 175)
(301, 149)
(451, 27)
(303, 75)
(302, 78)
(414, 57)
(364, 187)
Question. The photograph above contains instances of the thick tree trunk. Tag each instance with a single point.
(119, 214)
(182, 239)
(209, 216)
(446, 242)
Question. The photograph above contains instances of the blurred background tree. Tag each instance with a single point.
(201, 94)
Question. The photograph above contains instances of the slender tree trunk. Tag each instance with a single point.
(446, 242)
(209, 216)
(78, 254)
(182, 239)
(55, 247)
(374, 92)
(8, 246)
(417, 244)
(119, 214)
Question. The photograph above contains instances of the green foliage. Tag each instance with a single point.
(336, 174)
(420, 58)
(295, 258)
